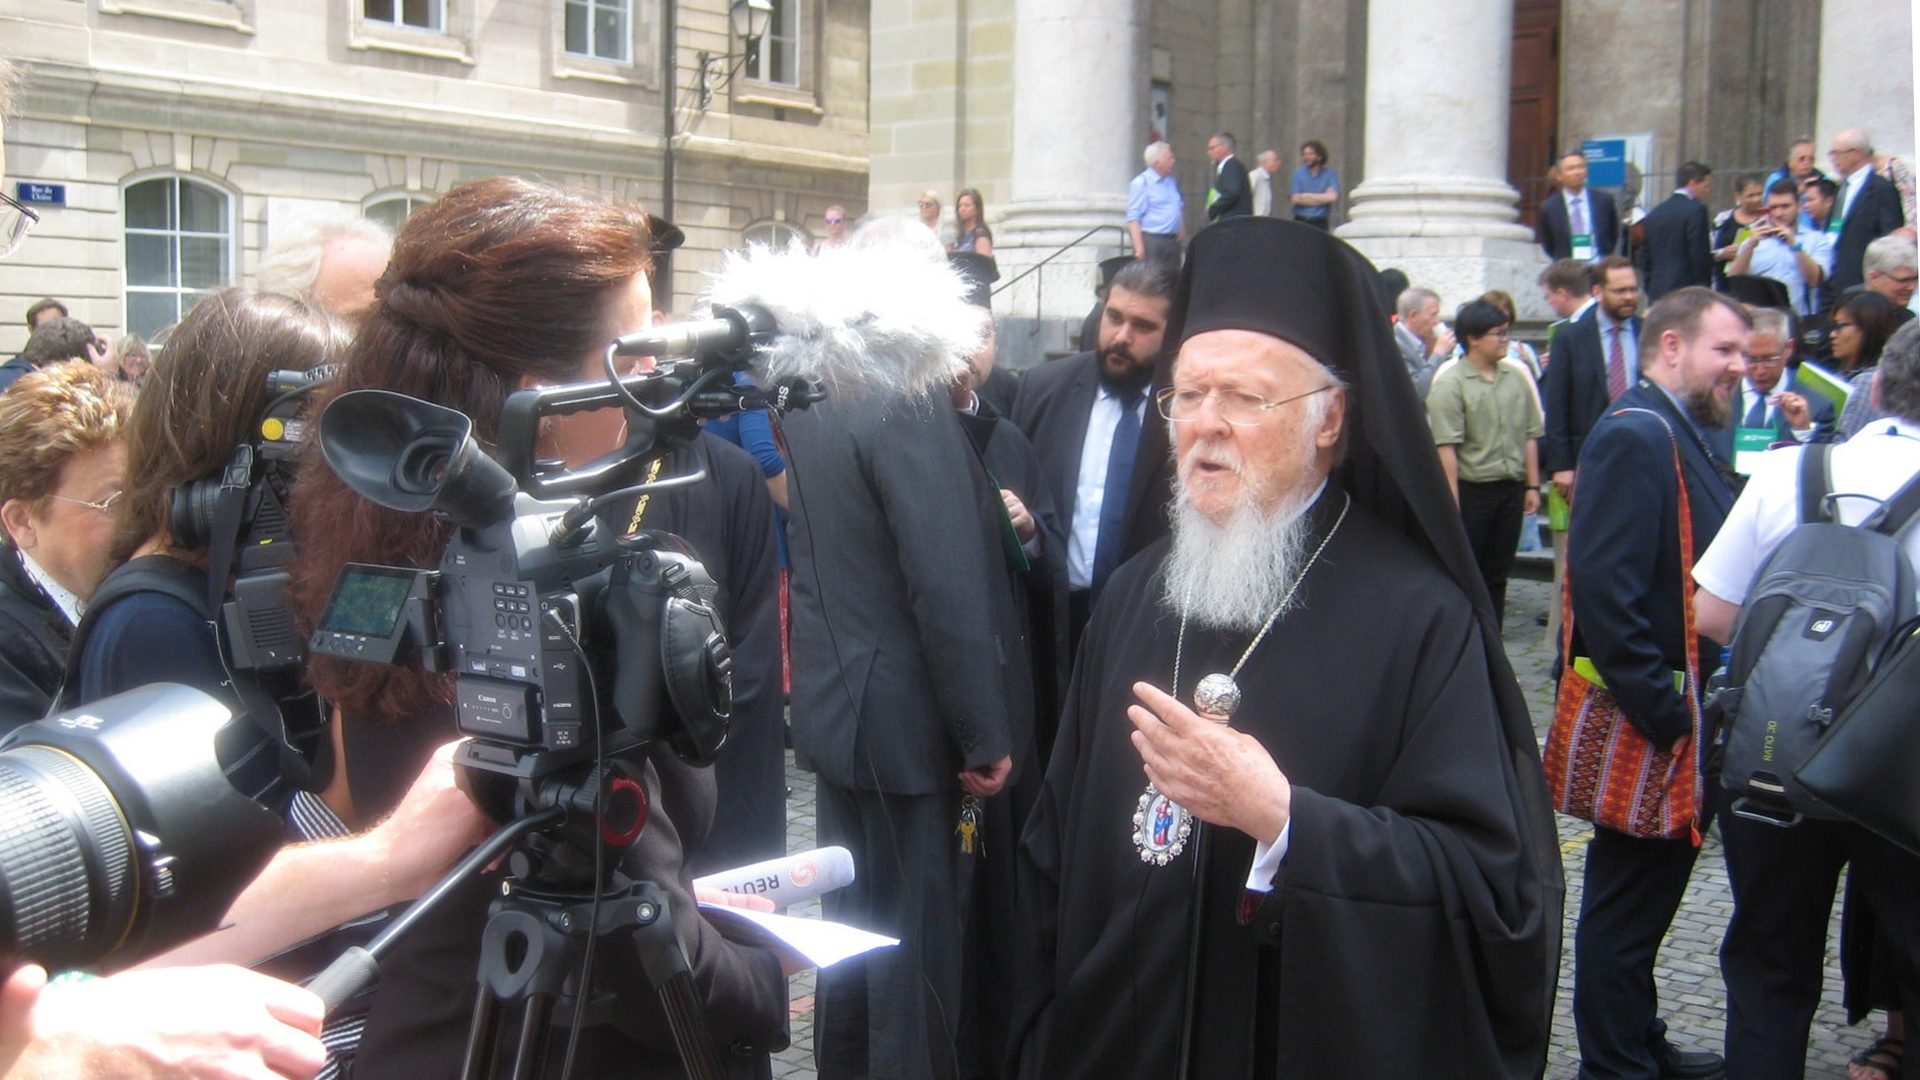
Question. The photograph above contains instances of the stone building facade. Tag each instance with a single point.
(183, 131)
(1441, 115)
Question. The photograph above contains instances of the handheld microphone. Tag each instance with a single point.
(788, 880)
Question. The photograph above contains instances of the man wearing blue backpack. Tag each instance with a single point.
(1783, 876)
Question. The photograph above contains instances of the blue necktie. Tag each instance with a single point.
(1113, 496)
(1757, 416)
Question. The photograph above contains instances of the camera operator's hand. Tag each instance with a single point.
(213, 1022)
(311, 888)
(427, 833)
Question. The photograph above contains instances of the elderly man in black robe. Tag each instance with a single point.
(1339, 857)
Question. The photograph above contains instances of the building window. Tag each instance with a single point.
(776, 59)
(775, 234)
(600, 29)
(179, 245)
(429, 15)
(392, 211)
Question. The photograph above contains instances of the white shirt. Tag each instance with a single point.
(1262, 184)
(1875, 462)
(1090, 493)
(63, 598)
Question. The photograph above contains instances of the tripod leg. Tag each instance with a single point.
(480, 1037)
(531, 1057)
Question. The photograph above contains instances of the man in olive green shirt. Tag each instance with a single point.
(1485, 415)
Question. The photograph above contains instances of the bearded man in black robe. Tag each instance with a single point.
(1339, 858)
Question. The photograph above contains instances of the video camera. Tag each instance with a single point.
(240, 516)
(566, 638)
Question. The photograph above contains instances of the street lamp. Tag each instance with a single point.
(750, 19)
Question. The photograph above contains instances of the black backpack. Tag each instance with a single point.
(1820, 610)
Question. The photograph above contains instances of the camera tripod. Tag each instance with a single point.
(538, 931)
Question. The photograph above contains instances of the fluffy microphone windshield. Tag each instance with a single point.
(885, 318)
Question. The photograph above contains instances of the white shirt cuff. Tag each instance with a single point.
(1803, 436)
(1266, 860)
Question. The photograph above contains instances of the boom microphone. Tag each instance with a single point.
(728, 331)
(886, 318)
(789, 880)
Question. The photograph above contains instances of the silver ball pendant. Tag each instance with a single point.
(1217, 697)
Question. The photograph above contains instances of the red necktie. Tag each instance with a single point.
(1616, 366)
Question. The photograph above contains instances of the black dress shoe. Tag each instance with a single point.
(1678, 1064)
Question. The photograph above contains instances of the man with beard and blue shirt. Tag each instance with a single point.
(1102, 446)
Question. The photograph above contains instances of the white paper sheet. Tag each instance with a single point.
(822, 943)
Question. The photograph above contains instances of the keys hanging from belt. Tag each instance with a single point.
(972, 841)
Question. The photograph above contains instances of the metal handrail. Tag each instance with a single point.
(1056, 253)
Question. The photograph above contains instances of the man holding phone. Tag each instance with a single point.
(1799, 258)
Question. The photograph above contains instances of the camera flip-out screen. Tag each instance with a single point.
(367, 617)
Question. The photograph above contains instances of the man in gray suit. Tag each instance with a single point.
(897, 706)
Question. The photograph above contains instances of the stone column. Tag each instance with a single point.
(1080, 92)
(1436, 203)
(1866, 76)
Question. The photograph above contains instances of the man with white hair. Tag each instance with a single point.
(1868, 205)
(331, 262)
(1892, 268)
(1156, 212)
(1340, 857)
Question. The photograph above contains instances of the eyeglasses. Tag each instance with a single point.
(15, 222)
(835, 220)
(1838, 325)
(105, 505)
(1182, 404)
(1767, 361)
(928, 205)
(1905, 281)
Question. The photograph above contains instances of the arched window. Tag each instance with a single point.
(179, 244)
(393, 211)
(774, 234)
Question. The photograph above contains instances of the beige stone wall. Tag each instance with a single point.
(290, 106)
(942, 103)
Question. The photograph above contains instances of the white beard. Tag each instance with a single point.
(1236, 576)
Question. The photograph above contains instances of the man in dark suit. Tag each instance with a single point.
(1679, 247)
(1593, 363)
(1868, 204)
(1577, 222)
(1625, 566)
(1103, 446)
(898, 706)
(1768, 399)
(1231, 195)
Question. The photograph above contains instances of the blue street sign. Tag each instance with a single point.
(41, 194)
(1606, 162)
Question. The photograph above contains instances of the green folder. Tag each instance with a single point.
(1830, 385)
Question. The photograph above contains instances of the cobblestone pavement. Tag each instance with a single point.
(1688, 971)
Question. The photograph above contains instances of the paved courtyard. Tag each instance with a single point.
(1688, 971)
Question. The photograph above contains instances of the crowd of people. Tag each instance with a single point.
(1158, 691)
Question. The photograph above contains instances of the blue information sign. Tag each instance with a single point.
(41, 194)
(1606, 162)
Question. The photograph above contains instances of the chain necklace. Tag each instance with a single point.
(1161, 827)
